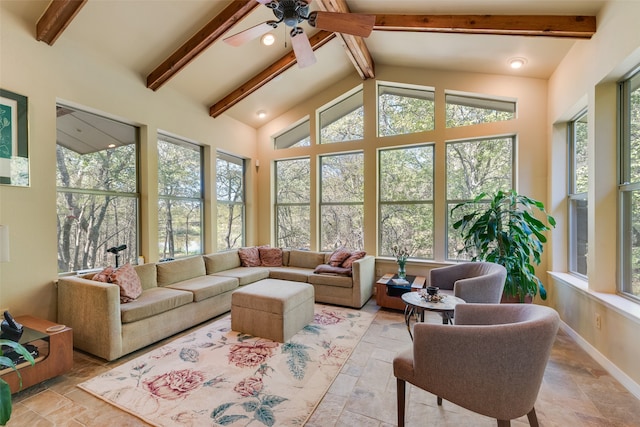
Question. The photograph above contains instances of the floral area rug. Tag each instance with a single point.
(216, 376)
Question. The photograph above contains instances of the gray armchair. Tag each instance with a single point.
(474, 282)
(491, 361)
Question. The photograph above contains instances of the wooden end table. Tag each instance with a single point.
(385, 299)
(55, 353)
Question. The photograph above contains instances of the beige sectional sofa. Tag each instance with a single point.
(182, 293)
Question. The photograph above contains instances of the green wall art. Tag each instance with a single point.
(14, 139)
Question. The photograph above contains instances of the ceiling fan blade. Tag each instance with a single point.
(302, 48)
(355, 24)
(250, 34)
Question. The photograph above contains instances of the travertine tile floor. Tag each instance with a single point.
(576, 391)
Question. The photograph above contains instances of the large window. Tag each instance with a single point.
(293, 189)
(466, 110)
(97, 190)
(297, 136)
(578, 187)
(180, 198)
(629, 187)
(474, 167)
(343, 121)
(231, 201)
(342, 201)
(406, 200)
(404, 110)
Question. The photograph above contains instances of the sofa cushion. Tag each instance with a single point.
(221, 261)
(182, 269)
(245, 275)
(355, 256)
(249, 257)
(273, 296)
(148, 275)
(325, 279)
(128, 281)
(295, 274)
(305, 259)
(204, 287)
(103, 276)
(334, 271)
(125, 277)
(152, 302)
(270, 257)
(338, 257)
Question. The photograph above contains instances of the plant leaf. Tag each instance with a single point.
(5, 402)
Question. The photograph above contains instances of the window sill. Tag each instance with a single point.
(620, 304)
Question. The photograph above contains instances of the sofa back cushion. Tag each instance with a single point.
(171, 272)
(148, 275)
(338, 257)
(305, 259)
(355, 256)
(249, 257)
(270, 257)
(285, 256)
(221, 261)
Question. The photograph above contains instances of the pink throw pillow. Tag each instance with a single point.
(129, 282)
(270, 257)
(331, 270)
(348, 263)
(249, 257)
(338, 257)
(103, 276)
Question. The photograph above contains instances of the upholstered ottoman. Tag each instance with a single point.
(272, 308)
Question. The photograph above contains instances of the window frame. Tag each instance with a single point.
(169, 139)
(626, 188)
(243, 162)
(321, 203)
(574, 197)
(449, 203)
(346, 99)
(130, 253)
(277, 204)
(292, 133)
(430, 202)
(404, 90)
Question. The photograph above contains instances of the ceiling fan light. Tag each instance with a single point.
(268, 39)
(517, 63)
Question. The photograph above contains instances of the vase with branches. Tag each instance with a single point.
(401, 254)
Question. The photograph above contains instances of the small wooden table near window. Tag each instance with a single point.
(55, 347)
(388, 293)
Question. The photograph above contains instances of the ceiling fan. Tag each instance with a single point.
(292, 13)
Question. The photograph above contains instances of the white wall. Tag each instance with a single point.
(587, 78)
(64, 72)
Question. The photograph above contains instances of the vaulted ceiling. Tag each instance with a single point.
(177, 45)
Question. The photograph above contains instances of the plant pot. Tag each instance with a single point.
(510, 299)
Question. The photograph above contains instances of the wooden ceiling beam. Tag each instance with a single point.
(211, 32)
(355, 47)
(511, 25)
(318, 40)
(56, 19)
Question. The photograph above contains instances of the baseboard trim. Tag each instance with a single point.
(612, 369)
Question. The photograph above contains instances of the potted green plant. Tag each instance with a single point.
(5, 390)
(506, 231)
